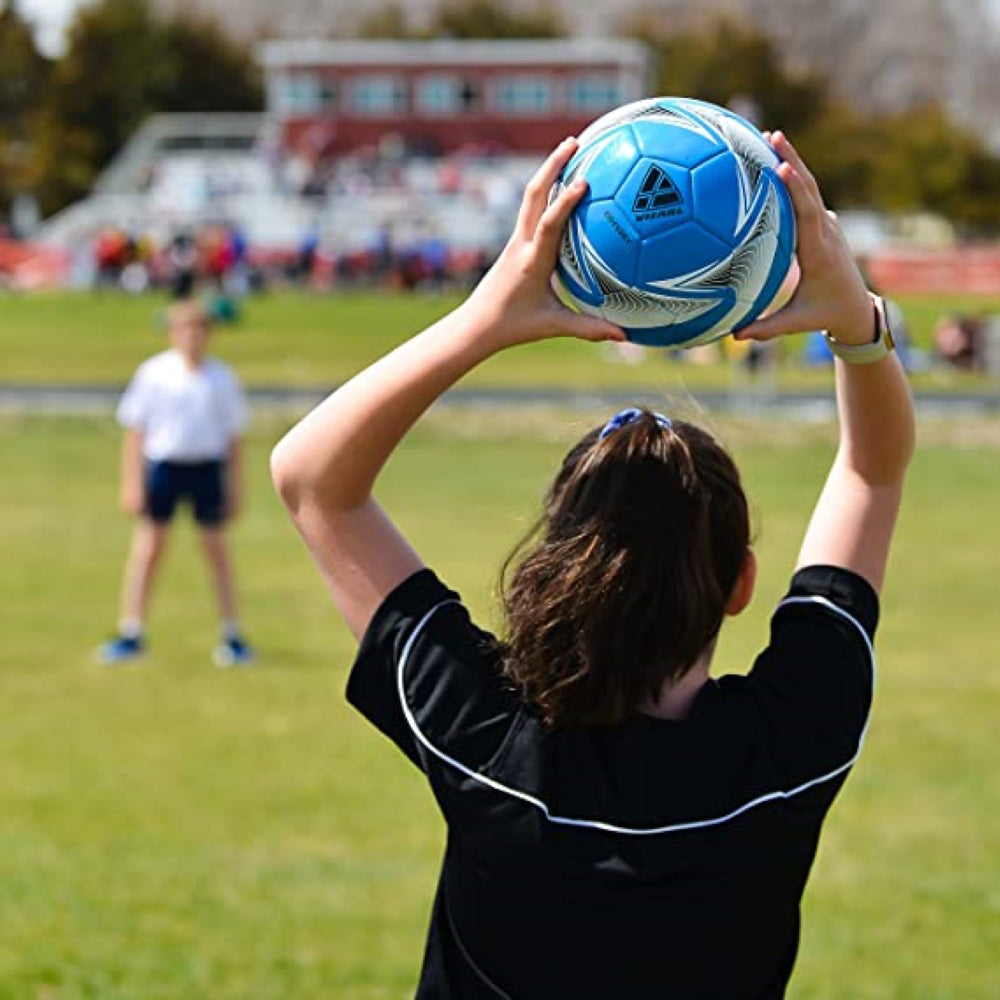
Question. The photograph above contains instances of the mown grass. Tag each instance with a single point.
(322, 340)
(171, 830)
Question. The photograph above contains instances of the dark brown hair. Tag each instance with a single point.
(626, 576)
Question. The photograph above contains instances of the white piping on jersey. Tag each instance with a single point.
(596, 824)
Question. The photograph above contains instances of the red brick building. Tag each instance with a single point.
(519, 96)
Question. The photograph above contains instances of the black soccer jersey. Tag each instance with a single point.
(657, 859)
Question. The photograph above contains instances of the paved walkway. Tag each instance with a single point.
(99, 400)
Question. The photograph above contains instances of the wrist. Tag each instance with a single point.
(481, 329)
(876, 348)
(859, 326)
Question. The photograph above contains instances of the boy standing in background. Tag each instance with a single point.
(183, 414)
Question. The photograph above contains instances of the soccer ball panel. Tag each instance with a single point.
(715, 193)
(680, 138)
(605, 163)
(683, 259)
(739, 134)
(608, 239)
(768, 291)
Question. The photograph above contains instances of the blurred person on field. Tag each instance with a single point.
(110, 251)
(182, 258)
(959, 341)
(183, 414)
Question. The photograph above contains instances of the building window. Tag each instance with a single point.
(523, 95)
(438, 95)
(305, 94)
(379, 95)
(594, 93)
(443, 94)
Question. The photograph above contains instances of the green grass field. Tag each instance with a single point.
(174, 831)
(323, 339)
(171, 830)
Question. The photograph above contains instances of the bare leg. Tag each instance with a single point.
(214, 543)
(149, 541)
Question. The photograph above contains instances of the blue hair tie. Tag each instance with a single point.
(630, 416)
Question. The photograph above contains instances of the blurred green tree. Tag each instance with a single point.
(727, 62)
(100, 91)
(387, 21)
(494, 19)
(122, 64)
(24, 75)
(924, 161)
(916, 160)
(209, 71)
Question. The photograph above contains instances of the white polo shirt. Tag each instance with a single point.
(184, 415)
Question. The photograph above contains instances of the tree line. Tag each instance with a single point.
(61, 121)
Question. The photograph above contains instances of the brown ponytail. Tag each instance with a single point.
(638, 549)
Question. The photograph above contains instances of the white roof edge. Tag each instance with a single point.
(287, 52)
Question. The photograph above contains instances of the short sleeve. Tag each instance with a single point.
(133, 408)
(429, 680)
(236, 409)
(815, 680)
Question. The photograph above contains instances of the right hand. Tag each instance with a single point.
(831, 294)
(514, 302)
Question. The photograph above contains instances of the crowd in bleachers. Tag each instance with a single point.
(379, 218)
(220, 256)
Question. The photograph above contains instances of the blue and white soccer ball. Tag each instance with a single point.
(687, 232)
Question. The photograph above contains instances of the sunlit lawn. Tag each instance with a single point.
(173, 831)
(322, 339)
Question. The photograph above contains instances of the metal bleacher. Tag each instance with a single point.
(182, 171)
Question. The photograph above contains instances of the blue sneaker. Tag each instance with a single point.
(233, 652)
(121, 649)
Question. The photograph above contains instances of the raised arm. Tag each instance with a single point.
(325, 467)
(853, 522)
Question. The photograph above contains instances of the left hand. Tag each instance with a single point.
(831, 293)
(515, 299)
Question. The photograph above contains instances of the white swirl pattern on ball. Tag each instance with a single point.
(660, 115)
(753, 158)
(640, 308)
(625, 113)
(569, 259)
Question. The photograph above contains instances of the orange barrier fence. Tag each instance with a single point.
(28, 266)
(969, 270)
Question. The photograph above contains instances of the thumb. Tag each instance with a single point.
(589, 327)
(792, 318)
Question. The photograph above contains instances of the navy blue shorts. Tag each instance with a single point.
(200, 483)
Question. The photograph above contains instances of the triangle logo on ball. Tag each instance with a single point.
(656, 192)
